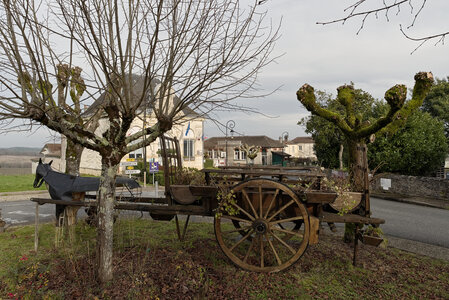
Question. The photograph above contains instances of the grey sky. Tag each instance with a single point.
(325, 57)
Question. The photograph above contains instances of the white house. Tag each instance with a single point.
(189, 133)
(301, 147)
(50, 152)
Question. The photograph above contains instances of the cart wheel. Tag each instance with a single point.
(292, 226)
(267, 235)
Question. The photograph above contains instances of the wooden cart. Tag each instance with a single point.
(264, 218)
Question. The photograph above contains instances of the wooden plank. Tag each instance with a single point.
(262, 172)
(320, 197)
(138, 206)
(314, 230)
(350, 218)
(164, 209)
(55, 201)
(205, 191)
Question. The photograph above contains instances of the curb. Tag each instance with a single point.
(431, 203)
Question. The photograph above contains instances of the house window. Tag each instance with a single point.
(189, 149)
(239, 155)
(300, 148)
(136, 154)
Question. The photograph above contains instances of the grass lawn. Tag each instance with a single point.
(150, 263)
(18, 183)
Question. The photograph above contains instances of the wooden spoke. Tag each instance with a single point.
(236, 230)
(274, 250)
(241, 240)
(260, 201)
(287, 220)
(262, 262)
(249, 250)
(281, 209)
(235, 218)
(283, 243)
(271, 203)
(288, 231)
(250, 203)
(243, 211)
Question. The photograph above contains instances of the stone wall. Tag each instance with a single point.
(431, 187)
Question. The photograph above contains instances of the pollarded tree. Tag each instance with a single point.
(356, 131)
(351, 124)
(207, 52)
(329, 140)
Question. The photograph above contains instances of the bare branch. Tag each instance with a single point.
(355, 11)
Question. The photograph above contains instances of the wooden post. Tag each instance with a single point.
(36, 228)
(366, 183)
(356, 244)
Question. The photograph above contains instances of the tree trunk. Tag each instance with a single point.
(72, 166)
(340, 156)
(105, 213)
(73, 158)
(355, 165)
(356, 178)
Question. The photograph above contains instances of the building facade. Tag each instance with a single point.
(226, 151)
(301, 147)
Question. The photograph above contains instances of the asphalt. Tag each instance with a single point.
(403, 244)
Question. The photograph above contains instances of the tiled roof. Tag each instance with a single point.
(302, 140)
(53, 149)
(257, 140)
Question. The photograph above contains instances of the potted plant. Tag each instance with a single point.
(372, 236)
(346, 200)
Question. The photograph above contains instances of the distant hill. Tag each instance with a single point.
(20, 151)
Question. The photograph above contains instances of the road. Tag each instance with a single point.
(405, 221)
(413, 222)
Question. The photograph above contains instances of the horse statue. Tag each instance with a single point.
(69, 187)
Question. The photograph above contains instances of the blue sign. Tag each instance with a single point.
(154, 167)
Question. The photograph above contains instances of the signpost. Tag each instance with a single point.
(130, 163)
(154, 168)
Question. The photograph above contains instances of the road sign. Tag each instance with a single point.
(130, 159)
(154, 167)
(128, 163)
(132, 171)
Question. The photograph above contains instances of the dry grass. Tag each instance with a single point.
(150, 263)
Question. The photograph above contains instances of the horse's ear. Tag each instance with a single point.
(50, 162)
(40, 160)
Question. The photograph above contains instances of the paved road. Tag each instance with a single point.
(413, 222)
(405, 221)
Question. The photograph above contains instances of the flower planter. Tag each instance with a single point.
(347, 202)
(371, 240)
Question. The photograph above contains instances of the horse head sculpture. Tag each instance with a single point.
(41, 171)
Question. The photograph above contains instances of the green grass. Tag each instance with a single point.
(18, 183)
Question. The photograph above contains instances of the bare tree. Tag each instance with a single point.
(387, 8)
(206, 52)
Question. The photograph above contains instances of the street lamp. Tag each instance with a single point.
(284, 138)
(229, 125)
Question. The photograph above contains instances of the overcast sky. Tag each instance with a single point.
(325, 57)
